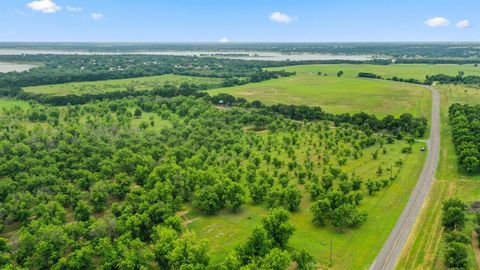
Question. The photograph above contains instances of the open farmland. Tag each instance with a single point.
(142, 83)
(405, 71)
(337, 95)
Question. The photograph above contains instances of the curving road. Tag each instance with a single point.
(392, 248)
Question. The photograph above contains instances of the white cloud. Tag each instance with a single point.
(463, 24)
(224, 40)
(437, 22)
(281, 17)
(97, 16)
(44, 6)
(74, 9)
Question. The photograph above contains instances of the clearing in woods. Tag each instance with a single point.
(141, 83)
(347, 94)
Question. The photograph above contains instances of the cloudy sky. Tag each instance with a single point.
(239, 20)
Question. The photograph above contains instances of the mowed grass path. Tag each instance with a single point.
(425, 248)
(405, 71)
(141, 83)
(352, 249)
(338, 95)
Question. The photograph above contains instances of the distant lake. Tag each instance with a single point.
(245, 55)
(7, 67)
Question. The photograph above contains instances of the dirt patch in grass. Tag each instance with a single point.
(475, 207)
(186, 220)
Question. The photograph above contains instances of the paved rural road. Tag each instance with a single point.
(392, 248)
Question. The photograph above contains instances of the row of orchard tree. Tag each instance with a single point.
(465, 121)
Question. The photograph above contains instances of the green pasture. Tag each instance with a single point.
(338, 95)
(141, 83)
(8, 103)
(405, 71)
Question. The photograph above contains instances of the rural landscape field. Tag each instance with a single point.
(344, 94)
(141, 83)
(179, 140)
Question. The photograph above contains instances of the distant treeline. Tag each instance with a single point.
(394, 78)
(57, 69)
(430, 79)
(402, 51)
(465, 121)
(406, 123)
(459, 79)
(369, 75)
(72, 99)
(433, 61)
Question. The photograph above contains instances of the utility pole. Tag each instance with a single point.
(331, 250)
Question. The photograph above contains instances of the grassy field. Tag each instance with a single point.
(405, 71)
(338, 95)
(425, 247)
(10, 103)
(158, 122)
(352, 249)
(142, 83)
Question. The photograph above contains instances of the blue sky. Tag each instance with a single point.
(239, 20)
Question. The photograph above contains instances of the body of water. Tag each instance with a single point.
(8, 67)
(245, 55)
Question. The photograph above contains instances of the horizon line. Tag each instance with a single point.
(235, 42)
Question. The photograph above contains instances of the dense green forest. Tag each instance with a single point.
(100, 185)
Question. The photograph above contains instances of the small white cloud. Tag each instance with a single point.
(12, 32)
(437, 22)
(463, 24)
(44, 6)
(224, 40)
(97, 16)
(74, 9)
(281, 17)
